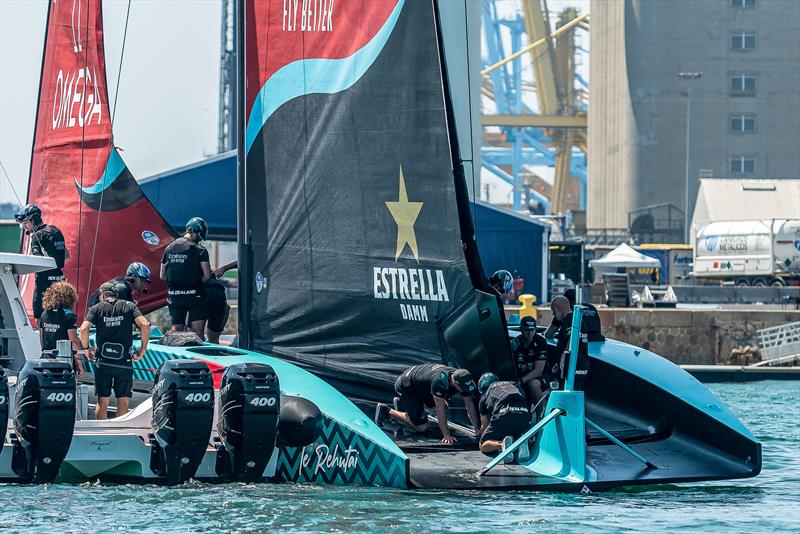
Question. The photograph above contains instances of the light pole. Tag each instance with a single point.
(688, 77)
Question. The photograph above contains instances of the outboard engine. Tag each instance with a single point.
(301, 422)
(183, 412)
(44, 419)
(4, 402)
(249, 399)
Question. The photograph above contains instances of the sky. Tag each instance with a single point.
(167, 111)
(168, 90)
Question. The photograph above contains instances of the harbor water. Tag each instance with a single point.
(767, 503)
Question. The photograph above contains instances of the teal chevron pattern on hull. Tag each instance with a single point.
(341, 457)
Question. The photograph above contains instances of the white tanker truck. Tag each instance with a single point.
(749, 253)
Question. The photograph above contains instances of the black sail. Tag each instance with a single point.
(356, 231)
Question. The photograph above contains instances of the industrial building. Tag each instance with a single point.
(720, 77)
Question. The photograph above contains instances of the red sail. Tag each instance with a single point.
(77, 177)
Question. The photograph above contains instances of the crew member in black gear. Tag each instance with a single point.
(185, 267)
(58, 322)
(135, 281)
(46, 240)
(529, 351)
(217, 309)
(561, 310)
(430, 385)
(590, 317)
(504, 416)
(114, 320)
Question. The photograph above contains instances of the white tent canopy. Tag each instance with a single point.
(624, 256)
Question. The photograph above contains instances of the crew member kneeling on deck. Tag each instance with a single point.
(46, 240)
(504, 416)
(185, 267)
(529, 352)
(430, 385)
(114, 320)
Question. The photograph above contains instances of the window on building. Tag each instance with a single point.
(742, 165)
(743, 84)
(741, 123)
(743, 41)
(743, 4)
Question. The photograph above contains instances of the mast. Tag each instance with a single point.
(243, 229)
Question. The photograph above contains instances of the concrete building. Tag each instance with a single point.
(745, 108)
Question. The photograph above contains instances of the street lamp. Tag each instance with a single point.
(688, 77)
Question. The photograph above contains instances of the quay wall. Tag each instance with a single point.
(700, 337)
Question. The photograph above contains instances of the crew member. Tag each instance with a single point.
(136, 278)
(114, 320)
(58, 322)
(504, 416)
(185, 267)
(502, 281)
(429, 385)
(217, 309)
(558, 364)
(529, 351)
(46, 240)
(590, 317)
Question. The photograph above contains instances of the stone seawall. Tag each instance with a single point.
(702, 337)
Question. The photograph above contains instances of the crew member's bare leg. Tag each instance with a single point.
(101, 411)
(403, 418)
(122, 406)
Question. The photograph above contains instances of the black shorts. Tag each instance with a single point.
(217, 309)
(512, 424)
(107, 378)
(410, 404)
(182, 306)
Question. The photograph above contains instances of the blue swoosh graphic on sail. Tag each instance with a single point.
(317, 75)
(116, 187)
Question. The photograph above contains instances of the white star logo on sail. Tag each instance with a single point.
(405, 214)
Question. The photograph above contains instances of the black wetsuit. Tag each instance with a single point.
(525, 357)
(418, 385)
(507, 409)
(590, 318)
(55, 325)
(184, 277)
(217, 308)
(562, 344)
(114, 326)
(47, 240)
(124, 291)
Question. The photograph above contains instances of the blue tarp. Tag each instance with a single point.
(207, 189)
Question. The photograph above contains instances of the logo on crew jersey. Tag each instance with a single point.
(413, 287)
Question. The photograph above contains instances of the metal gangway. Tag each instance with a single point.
(779, 345)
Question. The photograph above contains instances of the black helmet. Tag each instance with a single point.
(486, 380)
(138, 270)
(31, 212)
(502, 281)
(464, 379)
(198, 226)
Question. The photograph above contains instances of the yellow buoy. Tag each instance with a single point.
(528, 308)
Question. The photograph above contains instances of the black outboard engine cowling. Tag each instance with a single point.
(3, 404)
(301, 422)
(44, 419)
(183, 412)
(249, 399)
